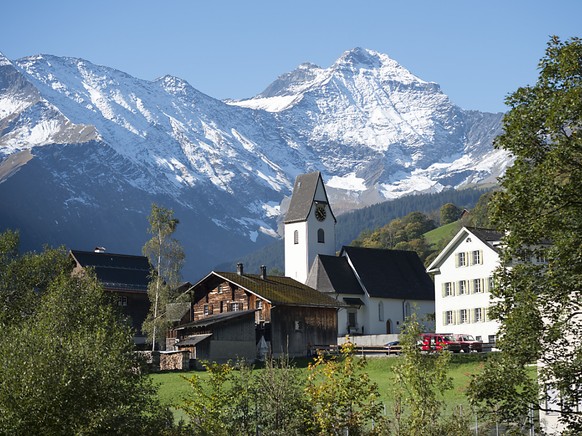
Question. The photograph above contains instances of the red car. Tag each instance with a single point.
(432, 342)
(468, 343)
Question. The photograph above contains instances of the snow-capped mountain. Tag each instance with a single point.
(86, 149)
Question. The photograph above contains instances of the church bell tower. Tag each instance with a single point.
(309, 226)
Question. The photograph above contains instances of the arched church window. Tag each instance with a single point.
(296, 237)
(321, 236)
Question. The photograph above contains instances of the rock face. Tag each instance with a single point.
(86, 149)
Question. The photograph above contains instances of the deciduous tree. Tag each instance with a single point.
(166, 257)
(67, 363)
(540, 210)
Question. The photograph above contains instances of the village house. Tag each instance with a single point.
(463, 279)
(123, 275)
(239, 315)
(378, 288)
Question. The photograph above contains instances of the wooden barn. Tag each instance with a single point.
(233, 315)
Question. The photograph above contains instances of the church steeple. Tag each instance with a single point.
(309, 226)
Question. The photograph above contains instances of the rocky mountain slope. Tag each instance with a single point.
(86, 149)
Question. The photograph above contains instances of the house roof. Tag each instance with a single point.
(390, 273)
(119, 272)
(303, 196)
(277, 290)
(489, 237)
(334, 274)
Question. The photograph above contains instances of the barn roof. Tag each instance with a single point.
(278, 290)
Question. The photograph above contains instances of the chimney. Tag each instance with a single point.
(239, 268)
(99, 250)
(263, 272)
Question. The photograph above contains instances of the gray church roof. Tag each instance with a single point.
(391, 273)
(334, 274)
(303, 195)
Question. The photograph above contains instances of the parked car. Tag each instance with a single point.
(393, 347)
(468, 343)
(432, 342)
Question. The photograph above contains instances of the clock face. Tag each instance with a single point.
(320, 212)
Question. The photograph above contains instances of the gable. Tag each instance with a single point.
(487, 239)
(277, 290)
(308, 188)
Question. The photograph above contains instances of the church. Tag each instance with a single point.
(377, 288)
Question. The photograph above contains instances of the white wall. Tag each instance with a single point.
(296, 258)
(368, 315)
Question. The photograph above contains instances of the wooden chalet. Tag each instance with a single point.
(237, 315)
(125, 276)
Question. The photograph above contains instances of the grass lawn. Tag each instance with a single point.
(173, 388)
(445, 232)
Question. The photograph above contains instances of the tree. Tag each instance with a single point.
(540, 210)
(166, 257)
(421, 382)
(240, 400)
(67, 366)
(341, 396)
(449, 213)
(22, 278)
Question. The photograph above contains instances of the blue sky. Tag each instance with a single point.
(478, 51)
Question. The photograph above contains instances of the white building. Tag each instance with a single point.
(463, 279)
(378, 289)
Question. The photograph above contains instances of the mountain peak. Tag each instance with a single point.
(4, 60)
(361, 57)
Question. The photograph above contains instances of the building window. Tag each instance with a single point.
(491, 283)
(461, 259)
(449, 317)
(478, 338)
(221, 306)
(235, 307)
(320, 236)
(478, 314)
(462, 287)
(208, 309)
(298, 326)
(448, 289)
(477, 286)
(223, 288)
(477, 257)
(259, 304)
(381, 311)
(464, 316)
(407, 311)
(296, 237)
(352, 319)
(491, 339)
(122, 300)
